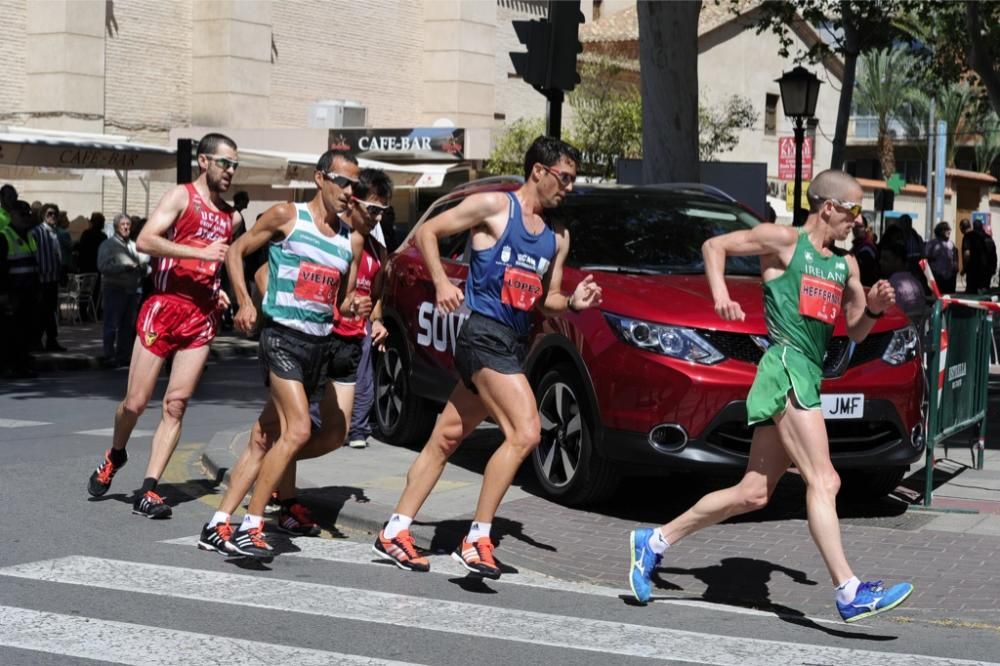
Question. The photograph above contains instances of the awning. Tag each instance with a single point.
(50, 154)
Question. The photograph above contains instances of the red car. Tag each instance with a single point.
(653, 380)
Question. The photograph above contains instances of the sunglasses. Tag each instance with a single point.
(224, 162)
(374, 210)
(339, 180)
(853, 208)
(565, 178)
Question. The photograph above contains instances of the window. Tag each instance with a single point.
(771, 114)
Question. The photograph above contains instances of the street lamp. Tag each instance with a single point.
(799, 91)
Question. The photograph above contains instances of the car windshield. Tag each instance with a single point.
(646, 233)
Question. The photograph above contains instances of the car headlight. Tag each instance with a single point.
(673, 341)
(902, 347)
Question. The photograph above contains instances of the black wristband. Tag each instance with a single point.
(872, 315)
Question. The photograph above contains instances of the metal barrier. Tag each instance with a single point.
(959, 349)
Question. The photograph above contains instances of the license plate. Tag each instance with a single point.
(843, 405)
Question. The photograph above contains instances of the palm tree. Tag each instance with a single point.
(956, 105)
(882, 86)
(988, 150)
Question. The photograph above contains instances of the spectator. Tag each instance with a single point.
(866, 254)
(770, 215)
(8, 197)
(122, 270)
(65, 243)
(909, 292)
(974, 260)
(50, 266)
(19, 290)
(990, 268)
(90, 241)
(942, 255)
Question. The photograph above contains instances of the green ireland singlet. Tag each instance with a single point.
(800, 307)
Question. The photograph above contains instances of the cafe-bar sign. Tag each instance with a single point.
(418, 143)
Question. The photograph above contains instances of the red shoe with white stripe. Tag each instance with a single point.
(401, 550)
(477, 557)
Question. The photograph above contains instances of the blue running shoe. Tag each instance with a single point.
(872, 599)
(644, 560)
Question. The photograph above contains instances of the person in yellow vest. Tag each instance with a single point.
(19, 289)
(8, 197)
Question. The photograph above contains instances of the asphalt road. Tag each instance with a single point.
(86, 582)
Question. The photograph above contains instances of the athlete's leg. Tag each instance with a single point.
(511, 402)
(803, 435)
(463, 412)
(345, 398)
(766, 465)
(184, 375)
(244, 473)
(330, 435)
(293, 414)
(143, 372)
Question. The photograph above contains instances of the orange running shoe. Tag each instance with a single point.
(478, 557)
(401, 550)
(100, 480)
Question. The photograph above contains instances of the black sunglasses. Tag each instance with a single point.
(374, 210)
(339, 180)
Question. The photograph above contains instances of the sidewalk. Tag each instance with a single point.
(84, 348)
(951, 557)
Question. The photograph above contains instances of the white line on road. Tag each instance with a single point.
(16, 423)
(125, 643)
(108, 432)
(463, 619)
(356, 553)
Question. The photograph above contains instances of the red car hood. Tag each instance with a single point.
(686, 300)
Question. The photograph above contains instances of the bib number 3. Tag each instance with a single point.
(521, 288)
(820, 299)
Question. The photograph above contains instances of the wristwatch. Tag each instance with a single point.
(869, 313)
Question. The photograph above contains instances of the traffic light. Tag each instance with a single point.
(532, 66)
(565, 18)
(553, 44)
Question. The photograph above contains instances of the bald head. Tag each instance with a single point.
(833, 184)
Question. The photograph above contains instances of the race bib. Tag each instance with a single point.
(820, 299)
(317, 283)
(521, 288)
(199, 266)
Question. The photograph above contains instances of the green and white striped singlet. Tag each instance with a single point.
(304, 274)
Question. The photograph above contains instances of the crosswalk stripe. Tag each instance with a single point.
(350, 552)
(138, 645)
(464, 619)
(18, 423)
(108, 432)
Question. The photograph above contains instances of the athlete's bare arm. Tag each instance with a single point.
(764, 240)
(350, 302)
(587, 293)
(153, 237)
(488, 209)
(879, 298)
(276, 222)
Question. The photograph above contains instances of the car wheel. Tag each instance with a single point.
(864, 485)
(402, 417)
(565, 462)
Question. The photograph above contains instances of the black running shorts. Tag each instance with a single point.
(486, 343)
(295, 356)
(345, 358)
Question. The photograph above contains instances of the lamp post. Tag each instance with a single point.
(799, 91)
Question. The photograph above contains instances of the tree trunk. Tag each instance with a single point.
(980, 56)
(886, 152)
(668, 57)
(851, 51)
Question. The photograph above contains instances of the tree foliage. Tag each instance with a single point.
(607, 123)
(884, 86)
(508, 153)
(719, 126)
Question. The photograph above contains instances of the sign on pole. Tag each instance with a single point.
(942, 146)
(786, 158)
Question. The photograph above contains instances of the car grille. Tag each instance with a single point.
(741, 347)
(845, 436)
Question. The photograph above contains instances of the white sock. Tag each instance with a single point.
(219, 517)
(397, 523)
(250, 522)
(657, 542)
(847, 590)
(478, 531)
